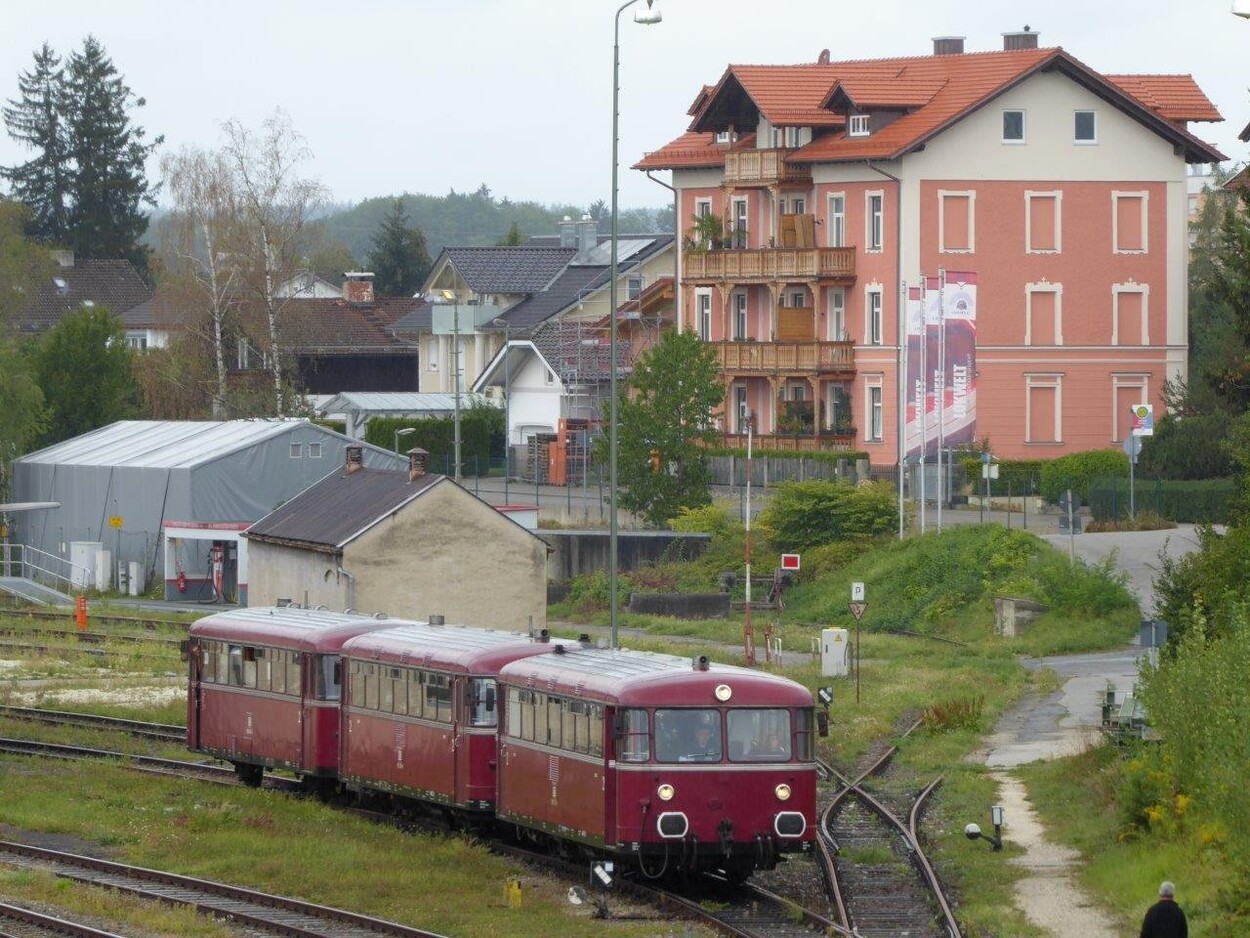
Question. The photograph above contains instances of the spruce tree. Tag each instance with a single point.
(36, 121)
(109, 185)
(398, 257)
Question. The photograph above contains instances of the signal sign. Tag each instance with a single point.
(789, 561)
(857, 609)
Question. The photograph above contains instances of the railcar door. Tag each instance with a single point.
(194, 677)
(628, 747)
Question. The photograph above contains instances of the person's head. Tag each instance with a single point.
(1167, 890)
(703, 733)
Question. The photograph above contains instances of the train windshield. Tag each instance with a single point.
(329, 677)
(687, 735)
(482, 702)
(760, 735)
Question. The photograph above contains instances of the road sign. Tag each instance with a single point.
(1069, 500)
(1143, 420)
(789, 561)
(115, 521)
(1132, 446)
(857, 592)
(857, 609)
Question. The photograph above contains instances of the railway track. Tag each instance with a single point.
(19, 922)
(106, 619)
(158, 732)
(881, 883)
(277, 915)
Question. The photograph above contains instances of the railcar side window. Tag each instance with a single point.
(635, 742)
(208, 663)
(415, 694)
(329, 677)
(371, 686)
(555, 706)
(264, 670)
(438, 698)
(356, 685)
(386, 701)
(687, 735)
(803, 735)
(399, 691)
(236, 665)
(513, 712)
(292, 674)
(759, 735)
(482, 702)
(595, 719)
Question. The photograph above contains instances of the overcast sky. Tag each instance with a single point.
(432, 95)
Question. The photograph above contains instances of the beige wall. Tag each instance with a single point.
(302, 576)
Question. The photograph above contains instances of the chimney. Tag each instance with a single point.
(948, 45)
(358, 287)
(587, 236)
(568, 233)
(355, 459)
(418, 459)
(1025, 39)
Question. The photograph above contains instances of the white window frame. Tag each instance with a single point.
(723, 136)
(1029, 196)
(1024, 126)
(1043, 380)
(1118, 290)
(314, 450)
(874, 314)
(874, 221)
(794, 137)
(703, 207)
(740, 315)
(1144, 196)
(798, 205)
(1043, 287)
(703, 314)
(740, 408)
(798, 299)
(837, 315)
(837, 219)
(1137, 381)
(859, 125)
(741, 210)
(297, 451)
(633, 286)
(971, 196)
(874, 408)
(1092, 141)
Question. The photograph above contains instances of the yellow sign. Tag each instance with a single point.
(115, 521)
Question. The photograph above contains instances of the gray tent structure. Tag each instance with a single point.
(124, 486)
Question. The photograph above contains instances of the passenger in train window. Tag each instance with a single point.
(705, 747)
(771, 748)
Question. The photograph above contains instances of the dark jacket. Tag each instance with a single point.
(1164, 919)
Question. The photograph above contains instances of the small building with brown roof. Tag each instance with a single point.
(74, 284)
(402, 543)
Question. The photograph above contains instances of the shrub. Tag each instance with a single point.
(713, 519)
(1017, 476)
(802, 515)
(1187, 448)
(1075, 471)
(961, 713)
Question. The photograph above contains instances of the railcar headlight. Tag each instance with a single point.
(782, 792)
(723, 692)
(665, 792)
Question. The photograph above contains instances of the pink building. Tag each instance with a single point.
(1053, 197)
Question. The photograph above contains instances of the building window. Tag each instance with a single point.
(740, 315)
(740, 238)
(1043, 314)
(794, 137)
(1085, 127)
(798, 300)
(1013, 126)
(314, 450)
(874, 326)
(741, 412)
(957, 222)
(703, 315)
(875, 205)
(1128, 222)
(1042, 224)
(837, 220)
(1127, 391)
(859, 125)
(724, 136)
(798, 206)
(1130, 321)
(137, 342)
(837, 316)
(297, 450)
(432, 360)
(874, 418)
(1043, 408)
(703, 208)
(633, 286)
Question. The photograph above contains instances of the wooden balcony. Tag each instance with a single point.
(764, 265)
(763, 359)
(763, 168)
(824, 441)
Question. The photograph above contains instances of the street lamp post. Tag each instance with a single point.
(507, 403)
(454, 299)
(402, 431)
(647, 18)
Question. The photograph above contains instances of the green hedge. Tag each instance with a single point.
(1187, 448)
(1202, 501)
(481, 438)
(1015, 476)
(1075, 471)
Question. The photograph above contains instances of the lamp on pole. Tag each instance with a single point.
(507, 403)
(449, 296)
(402, 431)
(646, 17)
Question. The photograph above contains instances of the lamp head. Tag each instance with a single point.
(651, 15)
(972, 831)
(996, 815)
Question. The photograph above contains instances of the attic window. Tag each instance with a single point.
(62, 286)
(723, 136)
(314, 450)
(859, 125)
(297, 450)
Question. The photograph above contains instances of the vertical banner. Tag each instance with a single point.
(917, 391)
(959, 367)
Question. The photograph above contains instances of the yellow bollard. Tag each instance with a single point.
(512, 892)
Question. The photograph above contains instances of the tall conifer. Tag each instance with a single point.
(36, 120)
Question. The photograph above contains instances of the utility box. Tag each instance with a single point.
(103, 569)
(835, 653)
(82, 559)
(134, 581)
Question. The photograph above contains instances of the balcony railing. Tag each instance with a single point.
(825, 440)
(760, 265)
(762, 167)
(793, 358)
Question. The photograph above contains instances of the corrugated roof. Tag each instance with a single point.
(166, 444)
(404, 403)
(331, 513)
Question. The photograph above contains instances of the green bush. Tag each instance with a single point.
(802, 515)
(1187, 448)
(481, 437)
(1015, 476)
(711, 519)
(1075, 471)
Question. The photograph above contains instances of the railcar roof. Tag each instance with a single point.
(641, 678)
(451, 646)
(317, 630)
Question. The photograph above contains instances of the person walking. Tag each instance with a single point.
(1165, 919)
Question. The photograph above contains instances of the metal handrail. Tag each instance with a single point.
(39, 566)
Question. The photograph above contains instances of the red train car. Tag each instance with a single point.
(264, 688)
(678, 765)
(419, 713)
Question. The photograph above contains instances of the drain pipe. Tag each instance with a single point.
(351, 589)
(676, 246)
(901, 334)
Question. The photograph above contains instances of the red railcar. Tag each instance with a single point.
(264, 688)
(419, 712)
(678, 764)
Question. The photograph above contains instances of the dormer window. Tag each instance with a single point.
(723, 136)
(859, 125)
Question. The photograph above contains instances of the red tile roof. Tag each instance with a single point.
(786, 95)
(1175, 97)
(691, 151)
